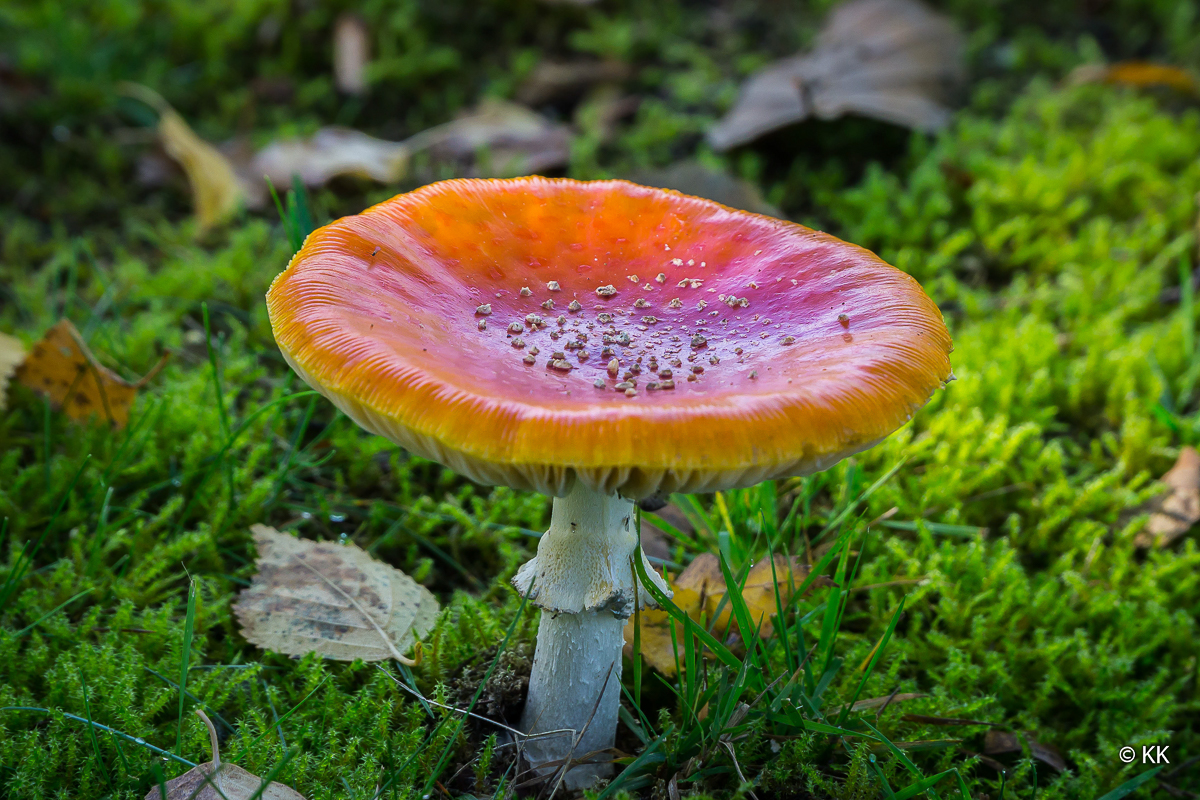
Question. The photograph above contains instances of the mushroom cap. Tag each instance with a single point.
(817, 350)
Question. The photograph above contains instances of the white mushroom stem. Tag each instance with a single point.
(583, 579)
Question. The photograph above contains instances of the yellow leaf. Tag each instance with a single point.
(699, 590)
(216, 191)
(1137, 74)
(62, 368)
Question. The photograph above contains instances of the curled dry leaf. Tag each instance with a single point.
(1176, 511)
(12, 353)
(891, 60)
(351, 54)
(215, 780)
(332, 599)
(699, 590)
(62, 368)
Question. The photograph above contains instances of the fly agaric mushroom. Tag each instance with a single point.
(827, 351)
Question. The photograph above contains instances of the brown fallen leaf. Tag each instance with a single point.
(891, 60)
(698, 591)
(998, 742)
(217, 193)
(655, 543)
(1176, 511)
(332, 599)
(1136, 74)
(12, 353)
(558, 80)
(216, 780)
(62, 368)
(692, 177)
(351, 54)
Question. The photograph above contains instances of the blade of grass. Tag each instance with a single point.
(445, 755)
(880, 646)
(27, 554)
(722, 652)
(1131, 785)
(189, 625)
(50, 613)
(280, 721)
(87, 707)
(858, 501)
(229, 442)
(1187, 306)
(139, 742)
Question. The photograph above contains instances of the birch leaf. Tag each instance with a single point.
(332, 599)
(62, 368)
(12, 353)
(215, 780)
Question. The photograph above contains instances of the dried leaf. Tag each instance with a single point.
(12, 353)
(1046, 754)
(327, 154)
(691, 177)
(951, 721)
(331, 599)
(558, 80)
(216, 780)
(1175, 512)
(655, 543)
(698, 591)
(879, 702)
(351, 54)
(996, 742)
(61, 367)
(497, 139)
(216, 190)
(515, 141)
(1136, 74)
(892, 60)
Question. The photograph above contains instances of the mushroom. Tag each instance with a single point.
(393, 342)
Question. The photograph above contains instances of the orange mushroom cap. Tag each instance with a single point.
(817, 348)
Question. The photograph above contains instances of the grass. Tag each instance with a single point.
(983, 555)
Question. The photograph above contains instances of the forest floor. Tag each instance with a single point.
(1055, 225)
